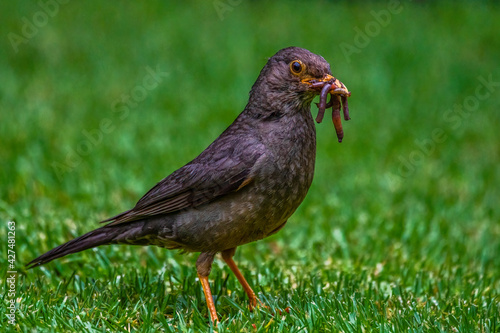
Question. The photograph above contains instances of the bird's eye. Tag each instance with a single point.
(297, 67)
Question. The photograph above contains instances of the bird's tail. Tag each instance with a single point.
(101, 236)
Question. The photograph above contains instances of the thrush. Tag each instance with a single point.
(240, 189)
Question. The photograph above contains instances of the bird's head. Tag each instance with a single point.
(294, 76)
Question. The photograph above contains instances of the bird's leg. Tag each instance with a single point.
(227, 255)
(203, 267)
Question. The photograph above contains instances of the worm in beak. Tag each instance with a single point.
(338, 98)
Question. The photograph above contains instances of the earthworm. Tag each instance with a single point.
(345, 107)
(338, 99)
(317, 84)
(337, 122)
(322, 102)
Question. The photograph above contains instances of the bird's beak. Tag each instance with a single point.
(337, 87)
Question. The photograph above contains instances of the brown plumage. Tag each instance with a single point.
(240, 189)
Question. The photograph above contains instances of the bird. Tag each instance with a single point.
(242, 188)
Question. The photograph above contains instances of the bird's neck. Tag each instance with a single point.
(269, 105)
(285, 131)
(282, 118)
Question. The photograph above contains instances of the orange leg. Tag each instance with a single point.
(209, 299)
(227, 255)
(203, 268)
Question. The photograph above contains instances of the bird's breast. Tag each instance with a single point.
(292, 153)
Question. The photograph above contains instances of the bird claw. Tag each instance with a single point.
(257, 303)
(252, 303)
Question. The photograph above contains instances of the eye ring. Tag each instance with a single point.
(297, 67)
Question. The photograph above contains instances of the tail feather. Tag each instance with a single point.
(101, 236)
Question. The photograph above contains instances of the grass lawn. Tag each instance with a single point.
(399, 231)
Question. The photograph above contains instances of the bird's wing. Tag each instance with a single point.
(214, 173)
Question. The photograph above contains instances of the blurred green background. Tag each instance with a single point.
(400, 230)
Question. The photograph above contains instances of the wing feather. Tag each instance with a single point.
(203, 180)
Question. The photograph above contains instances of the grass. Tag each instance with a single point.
(400, 230)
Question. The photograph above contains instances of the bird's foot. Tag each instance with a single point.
(256, 302)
